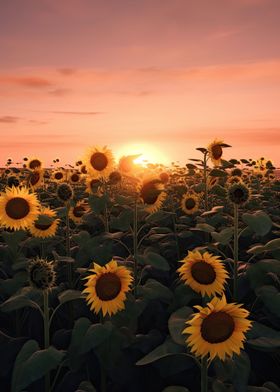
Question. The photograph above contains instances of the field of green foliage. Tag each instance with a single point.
(123, 278)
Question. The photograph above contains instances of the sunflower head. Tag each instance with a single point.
(75, 178)
(18, 208)
(93, 184)
(99, 161)
(115, 177)
(190, 203)
(151, 193)
(34, 163)
(215, 151)
(58, 175)
(35, 178)
(46, 224)
(164, 177)
(203, 272)
(217, 330)
(238, 193)
(236, 172)
(76, 213)
(64, 192)
(41, 274)
(106, 287)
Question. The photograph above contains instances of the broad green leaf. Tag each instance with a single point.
(259, 222)
(165, 349)
(177, 323)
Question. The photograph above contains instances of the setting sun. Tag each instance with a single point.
(149, 154)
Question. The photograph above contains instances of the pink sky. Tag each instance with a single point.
(171, 73)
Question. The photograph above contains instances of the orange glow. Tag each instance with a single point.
(149, 154)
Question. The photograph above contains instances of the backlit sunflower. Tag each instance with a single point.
(106, 287)
(18, 208)
(217, 330)
(58, 175)
(34, 163)
(152, 194)
(215, 151)
(76, 213)
(45, 225)
(203, 272)
(239, 193)
(190, 203)
(99, 161)
(93, 184)
(35, 178)
(74, 177)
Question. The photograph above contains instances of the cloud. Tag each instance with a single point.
(76, 113)
(9, 119)
(27, 81)
(60, 92)
(67, 71)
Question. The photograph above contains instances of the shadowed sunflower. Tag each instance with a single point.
(215, 151)
(99, 161)
(238, 193)
(58, 175)
(45, 225)
(106, 288)
(93, 184)
(217, 330)
(41, 274)
(190, 203)
(234, 180)
(203, 272)
(76, 213)
(151, 193)
(18, 208)
(34, 163)
(74, 178)
(35, 178)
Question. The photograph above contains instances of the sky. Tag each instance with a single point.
(164, 76)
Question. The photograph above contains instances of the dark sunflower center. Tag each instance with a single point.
(150, 192)
(75, 177)
(78, 211)
(99, 161)
(42, 227)
(34, 163)
(190, 204)
(217, 327)
(203, 272)
(35, 177)
(217, 151)
(108, 286)
(17, 208)
(238, 194)
(84, 169)
(58, 176)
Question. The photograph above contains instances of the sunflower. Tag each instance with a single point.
(204, 273)
(106, 287)
(115, 177)
(58, 175)
(93, 184)
(41, 274)
(34, 163)
(99, 161)
(35, 178)
(190, 203)
(238, 193)
(76, 213)
(234, 180)
(217, 330)
(18, 208)
(215, 151)
(151, 193)
(236, 172)
(164, 177)
(64, 192)
(45, 225)
(74, 177)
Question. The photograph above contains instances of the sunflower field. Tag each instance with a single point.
(119, 277)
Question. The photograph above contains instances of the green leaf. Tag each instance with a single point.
(217, 173)
(263, 338)
(153, 289)
(241, 371)
(164, 350)
(69, 295)
(18, 302)
(177, 323)
(95, 335)
(271, 298)
(224, 237)
(86, 386)
(203, 227)
(176, 388)
(257, 273)
(155, 260)
(259, 222)
(97, 203)
(79, 330)
(123, 221)
(32, 364)
(158, 216)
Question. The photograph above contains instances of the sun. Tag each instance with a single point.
(149, 153)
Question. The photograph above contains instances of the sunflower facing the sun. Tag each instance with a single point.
(45, 225)
(34, 163)
(152, 194)
(203, 272)
(76, 213)
(217, 330)
(190, 203)
(99, 161)
(106, 287)
(18, 208)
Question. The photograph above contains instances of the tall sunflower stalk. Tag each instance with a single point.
(135, 244)
(46, 333)
(235, 252)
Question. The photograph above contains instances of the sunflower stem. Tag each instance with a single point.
(103, 382)
(235, 253)
(205, 182)
(204, 375)
(68, 244)
(135, 245)
(46, 334)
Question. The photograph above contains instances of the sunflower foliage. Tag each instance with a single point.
(126, 278)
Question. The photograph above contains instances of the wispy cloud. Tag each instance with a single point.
(9, 119)
(77, 113)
